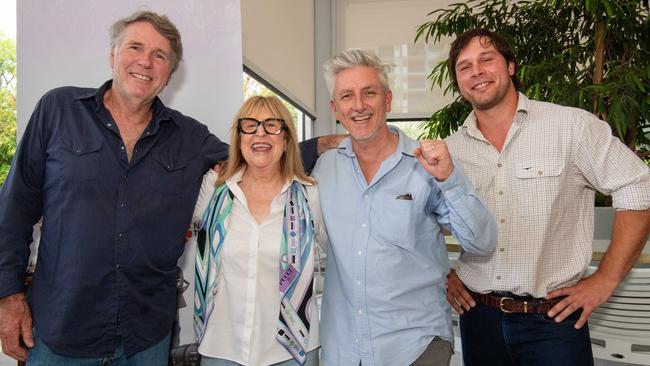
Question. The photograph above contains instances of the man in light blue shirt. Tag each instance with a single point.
(384, 197)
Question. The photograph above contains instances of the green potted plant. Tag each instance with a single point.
(591, 54)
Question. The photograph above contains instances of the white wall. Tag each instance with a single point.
(278, 44)
(324, 45)
(388, 27)
(65, 42)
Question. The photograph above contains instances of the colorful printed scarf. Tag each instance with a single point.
(295, 264)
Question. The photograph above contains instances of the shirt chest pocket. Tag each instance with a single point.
(167, 172)
(538, 186)
(83, 157)
(392, 222)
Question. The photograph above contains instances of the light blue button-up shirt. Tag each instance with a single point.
(384, 299)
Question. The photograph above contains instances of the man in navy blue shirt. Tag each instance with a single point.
(115, 175)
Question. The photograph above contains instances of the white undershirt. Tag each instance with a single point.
(243, 324)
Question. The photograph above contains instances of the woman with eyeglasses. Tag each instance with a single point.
(261, 221)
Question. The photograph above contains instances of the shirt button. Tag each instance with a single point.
(499, 165)
(363, 225)
(501, 249)
(360, 311)
(147, 132)
(118, 266)
(359, 252)
(359, 283)
(356, 340)
(108, 125)
(498, 277)
(124, 177)
(366, 196)
(539, 172)
(123, 204)
(503, 221)
(500, 193)
(122, 147)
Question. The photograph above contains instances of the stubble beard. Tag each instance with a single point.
(498, 96)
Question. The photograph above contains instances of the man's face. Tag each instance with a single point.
(483, 74)
(141, 63)
(360, 102)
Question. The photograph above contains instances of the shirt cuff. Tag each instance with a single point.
(455, 185)
(11, 283)
(632, 197)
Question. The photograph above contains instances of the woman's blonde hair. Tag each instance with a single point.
(290, 162)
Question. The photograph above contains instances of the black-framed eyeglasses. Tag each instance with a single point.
(249, 125)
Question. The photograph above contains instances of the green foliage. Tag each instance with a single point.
(556, 43)
(7, 105)
(7, 61)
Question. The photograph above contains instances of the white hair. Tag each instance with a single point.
(351, 58)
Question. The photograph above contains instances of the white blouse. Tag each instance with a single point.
(243, 324)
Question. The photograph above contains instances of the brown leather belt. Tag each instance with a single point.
(510, 304)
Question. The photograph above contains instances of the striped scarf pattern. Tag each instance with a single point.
(296, 266)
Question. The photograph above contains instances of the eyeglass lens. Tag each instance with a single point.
(272, 126)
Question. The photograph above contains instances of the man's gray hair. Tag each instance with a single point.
(352, 58)
(163, 25)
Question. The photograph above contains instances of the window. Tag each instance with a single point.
(254, 85)
(411, 128)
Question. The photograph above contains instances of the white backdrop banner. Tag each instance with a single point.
(66, 42)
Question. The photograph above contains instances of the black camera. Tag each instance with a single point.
(185, 355)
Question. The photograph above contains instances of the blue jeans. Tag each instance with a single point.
(491, 337)
(312, 360)
(41, 355)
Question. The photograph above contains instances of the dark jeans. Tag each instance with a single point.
(41, 355)
(493, 338)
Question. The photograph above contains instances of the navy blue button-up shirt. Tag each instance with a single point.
(113, 229)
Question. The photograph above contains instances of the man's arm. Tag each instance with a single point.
(216, 150)
(20, 208)
(311, 149)
(629, 235)
(457, 294)
(612, 168)
(461, 209)
(15, 319)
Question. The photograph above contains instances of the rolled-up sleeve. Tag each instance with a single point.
(609, 166)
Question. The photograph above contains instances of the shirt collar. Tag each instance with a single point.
(160, 112)
(237, 177)
(405, 145)
(523, 105)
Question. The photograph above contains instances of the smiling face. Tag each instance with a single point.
(483, 74)
(361, 102)
(141, 64)
(261, 150)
